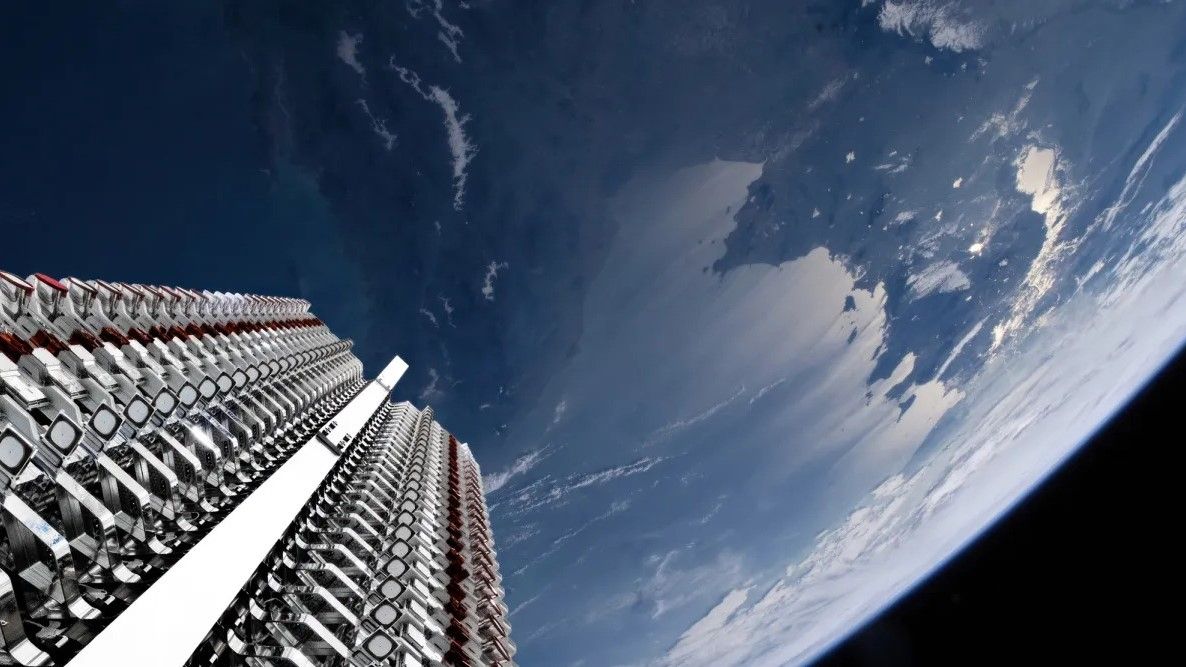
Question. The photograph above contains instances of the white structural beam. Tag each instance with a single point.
(166, 624)
(391, 374)
(346, 425)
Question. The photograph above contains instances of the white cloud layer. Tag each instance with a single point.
(967, 25)
(428, 314)
(448, 33)
(768, 329)
(940, 23)
(379, 126)
(348, 51)
(547, 492)
(775, 341)
(1039, 175)
(496, 480)
(492, 270)
(937, 278)
(461, 149)
(432, 390)
(1025, 414)
(1138, 173)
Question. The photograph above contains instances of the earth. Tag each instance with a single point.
(753, 312)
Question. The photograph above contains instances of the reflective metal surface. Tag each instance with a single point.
(133, 418)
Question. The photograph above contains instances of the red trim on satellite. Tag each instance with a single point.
(52, 282)
(86, 340)
(139, 335)
(111, 335)
(13, 347)
(50, 342)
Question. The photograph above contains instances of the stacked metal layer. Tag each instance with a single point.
(390, 563)
(132, 419)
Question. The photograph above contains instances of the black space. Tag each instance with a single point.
(1084, 571)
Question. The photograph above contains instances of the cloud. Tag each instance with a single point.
(713, 511)
(447, 308)
(608, 475)
(1039, 176)
(559, 411)
(704, 415)
(765, 390)
(519, 535)
(829, 92)
(789, 326)
(524, 604)
(999, 125)
(348, 51)
(496, 480)
(1024, 415)
(943, 24)
(679, 577)
(896, 163)
(461, 149)
(937, 278)
(1162, 238)
(448, 33)
(428, 314)
(968, 25)
(959, 347)
(491, 273)
(617, 507)
(379, 126)
(550, 493)
(1138, 173)
(716, 617)
(432, 390)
